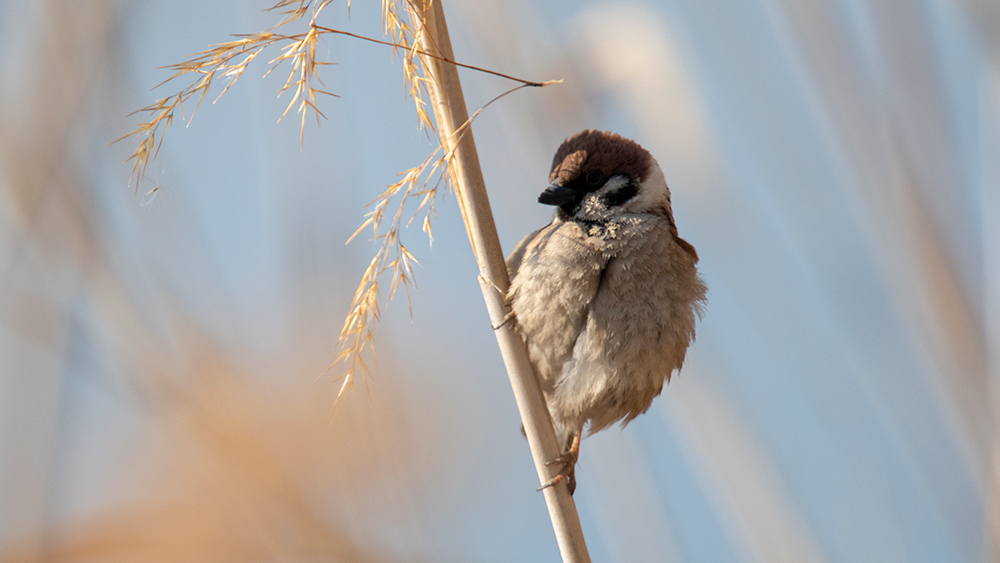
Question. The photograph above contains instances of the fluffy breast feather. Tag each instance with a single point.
(607, 313)
(637, 332)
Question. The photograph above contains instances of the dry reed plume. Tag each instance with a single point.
(229, 60)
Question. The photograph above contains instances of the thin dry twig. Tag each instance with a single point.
(433, 56)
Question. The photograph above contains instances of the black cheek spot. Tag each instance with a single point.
(621, 195)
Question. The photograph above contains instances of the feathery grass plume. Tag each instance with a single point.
(424, 181)
(230, 60)
(356, 336)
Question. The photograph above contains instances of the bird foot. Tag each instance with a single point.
(568, 471)
(506, 319)
(510, 314)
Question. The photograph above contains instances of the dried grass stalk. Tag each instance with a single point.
(452, 119)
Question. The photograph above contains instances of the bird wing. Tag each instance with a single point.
(555, 275)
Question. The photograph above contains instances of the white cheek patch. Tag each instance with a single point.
(653, 193)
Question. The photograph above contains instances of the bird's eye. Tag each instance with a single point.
(594, 178)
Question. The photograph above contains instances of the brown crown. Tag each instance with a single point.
(608, 153)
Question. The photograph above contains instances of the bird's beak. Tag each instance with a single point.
(557, 195)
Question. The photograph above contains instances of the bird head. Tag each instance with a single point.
(598, 175)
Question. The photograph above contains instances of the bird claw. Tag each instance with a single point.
(506, 319)
(510, 314)
(568, 471)
(567, 474)
(567, 459)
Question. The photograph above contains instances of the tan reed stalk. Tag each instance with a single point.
(467, 178)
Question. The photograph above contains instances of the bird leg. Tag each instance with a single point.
(510, 314)
(568, 461)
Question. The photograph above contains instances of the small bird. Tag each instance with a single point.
(606, 295)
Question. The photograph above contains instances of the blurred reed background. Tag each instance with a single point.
(162, 352)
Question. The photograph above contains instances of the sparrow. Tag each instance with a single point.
(606, 295)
